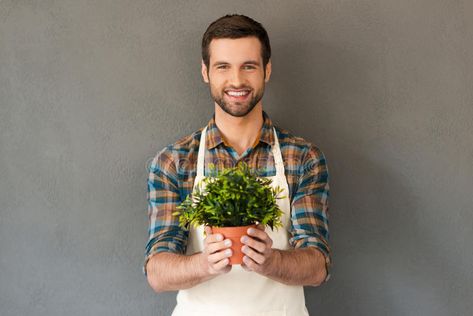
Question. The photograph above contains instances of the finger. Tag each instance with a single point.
(253, 266)
(255, 244)
(213, 238)
(217, 246)
(260, 234)
(219, 255)
(256, 256)
(243, 265)
(222, 264)
(260, 227)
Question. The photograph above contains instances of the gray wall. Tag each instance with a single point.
(91, 90)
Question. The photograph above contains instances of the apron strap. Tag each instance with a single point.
(201, 156)
(278, 162)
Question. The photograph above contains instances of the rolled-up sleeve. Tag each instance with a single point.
(164, 232)
(309, 217)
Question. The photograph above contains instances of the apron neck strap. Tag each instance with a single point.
(278, 162)
(201, 156)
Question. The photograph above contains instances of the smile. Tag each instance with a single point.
(237, 94)
(240, 94)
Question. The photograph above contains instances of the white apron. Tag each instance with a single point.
(239, 292)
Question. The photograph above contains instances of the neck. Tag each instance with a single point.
(239, 132)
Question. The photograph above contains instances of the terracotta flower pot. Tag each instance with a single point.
(234, 234)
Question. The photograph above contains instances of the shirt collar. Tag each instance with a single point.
(214, 138)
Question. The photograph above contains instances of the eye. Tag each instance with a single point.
(222, 67)
(249, 67)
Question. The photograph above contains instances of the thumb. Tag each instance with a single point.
(260, 226)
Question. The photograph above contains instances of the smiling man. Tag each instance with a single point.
(277, 264)
(247, 85)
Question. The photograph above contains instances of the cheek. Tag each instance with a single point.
(257, 84)
(215, 81)
(217, 85)
(257, 80)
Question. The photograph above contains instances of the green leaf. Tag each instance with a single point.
(234, 197)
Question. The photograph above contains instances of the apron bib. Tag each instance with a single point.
(239, 292)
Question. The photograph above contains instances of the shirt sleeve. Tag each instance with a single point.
(163, 196)
(309, 218)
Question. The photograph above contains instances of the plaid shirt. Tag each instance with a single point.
(173, 169)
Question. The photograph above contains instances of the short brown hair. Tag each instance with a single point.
(235, 26)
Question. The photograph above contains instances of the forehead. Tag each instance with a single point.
(235, 49)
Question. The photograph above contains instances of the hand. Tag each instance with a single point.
(216, 253)
(258, 251)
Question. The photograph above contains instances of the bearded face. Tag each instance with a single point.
(236, 101)
(236, 75)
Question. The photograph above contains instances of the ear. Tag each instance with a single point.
(204, 72)
(268, 71)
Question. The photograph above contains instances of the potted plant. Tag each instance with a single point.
(231, 202)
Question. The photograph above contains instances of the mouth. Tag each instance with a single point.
(238, 95)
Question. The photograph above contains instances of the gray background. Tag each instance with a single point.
(91, 90)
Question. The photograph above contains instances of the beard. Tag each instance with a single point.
(237, 109)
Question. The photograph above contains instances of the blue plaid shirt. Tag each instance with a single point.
(173, 169)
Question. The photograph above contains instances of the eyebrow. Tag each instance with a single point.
(248, 62)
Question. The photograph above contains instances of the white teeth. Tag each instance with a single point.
(237, 94)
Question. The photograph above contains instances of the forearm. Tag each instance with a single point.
(171, 272)
(302, 266)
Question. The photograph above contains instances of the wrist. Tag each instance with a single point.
(274, 263)
(203, 267)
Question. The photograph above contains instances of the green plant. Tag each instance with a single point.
(234, 197)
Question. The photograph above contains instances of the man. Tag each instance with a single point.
(277, 264)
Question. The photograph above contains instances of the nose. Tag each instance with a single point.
(237, 78)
